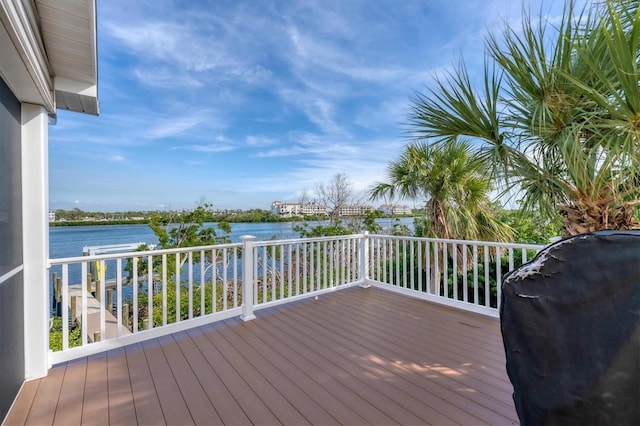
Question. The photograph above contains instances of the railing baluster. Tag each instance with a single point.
(289, 269)
(83, 295)
(178, 292)
(427, 246)
(119, 296)
(255, 254)
(281, 284)
(511, 259)
(103, 282)
(235, 277)
(203, 282)
(225, 278)
(404, 264)
(318, 266)
(150, 291)
(412, 265)
(420, 265)
(454, 255)
(190, 284)
(465, 267)
(445, 270)
(65, 307)
(304, 266)
(396, 262)
(475, 275)
(214, 281)
(498, 276)
(164, 289)
(487, 283)
(436, 267)
(328, 263)
(135, 294)
(298, 268)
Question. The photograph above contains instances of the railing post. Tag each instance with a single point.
(247, 277)
(364, 261)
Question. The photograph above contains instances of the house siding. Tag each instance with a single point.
(11, 257)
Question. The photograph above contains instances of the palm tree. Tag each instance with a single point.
(558, 118)
(455, 189)
(454, 185)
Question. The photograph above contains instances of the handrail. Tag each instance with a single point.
(108, 300)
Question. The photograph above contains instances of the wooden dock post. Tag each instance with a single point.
(110, 300)
(74, 308)
(99, 285)
(125, 315)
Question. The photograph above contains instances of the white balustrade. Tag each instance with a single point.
(107, 301)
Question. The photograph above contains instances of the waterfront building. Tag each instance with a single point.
(279, 208)
(395, 210)
(354, 210)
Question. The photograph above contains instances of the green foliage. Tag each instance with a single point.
(187, 229)
(531, 227)
(233, 296)
(55, 335)
(370, 223)
(397, 268)
(321, 230)
(557, 116)
(452, 180)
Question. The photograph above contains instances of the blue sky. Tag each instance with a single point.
(246, 102)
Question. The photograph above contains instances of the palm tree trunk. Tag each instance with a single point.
(587, 216)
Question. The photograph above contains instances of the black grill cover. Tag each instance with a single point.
(570, 322)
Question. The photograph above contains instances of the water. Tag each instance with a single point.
(68, 241)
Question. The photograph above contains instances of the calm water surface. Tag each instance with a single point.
(68, 241)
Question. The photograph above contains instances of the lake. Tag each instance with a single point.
(68, 241)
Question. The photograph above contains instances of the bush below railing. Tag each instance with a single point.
(469, 272)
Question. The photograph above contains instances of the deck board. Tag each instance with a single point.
(121, 411)
(95, 404)
(226, 406)
(174, 407)
(22, 406)
(357, 356)
(145, 398)
(255, 409)
(314, 361)
(439, 356)
(69, 409)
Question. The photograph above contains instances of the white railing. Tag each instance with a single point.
(107, 301)
(290, 269)
(465, 274)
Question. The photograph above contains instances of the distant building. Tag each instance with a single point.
(354, 210)
(308, 209)
(285, 209)
(279, 208)
(52, 216)
(394, 209)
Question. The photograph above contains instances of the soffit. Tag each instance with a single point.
(68, 30)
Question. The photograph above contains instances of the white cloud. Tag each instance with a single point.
(171, 126)
(165, 78)
(207, 148)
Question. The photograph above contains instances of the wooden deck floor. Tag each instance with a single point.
(358, 356)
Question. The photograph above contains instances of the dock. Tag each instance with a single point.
(92, 327)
